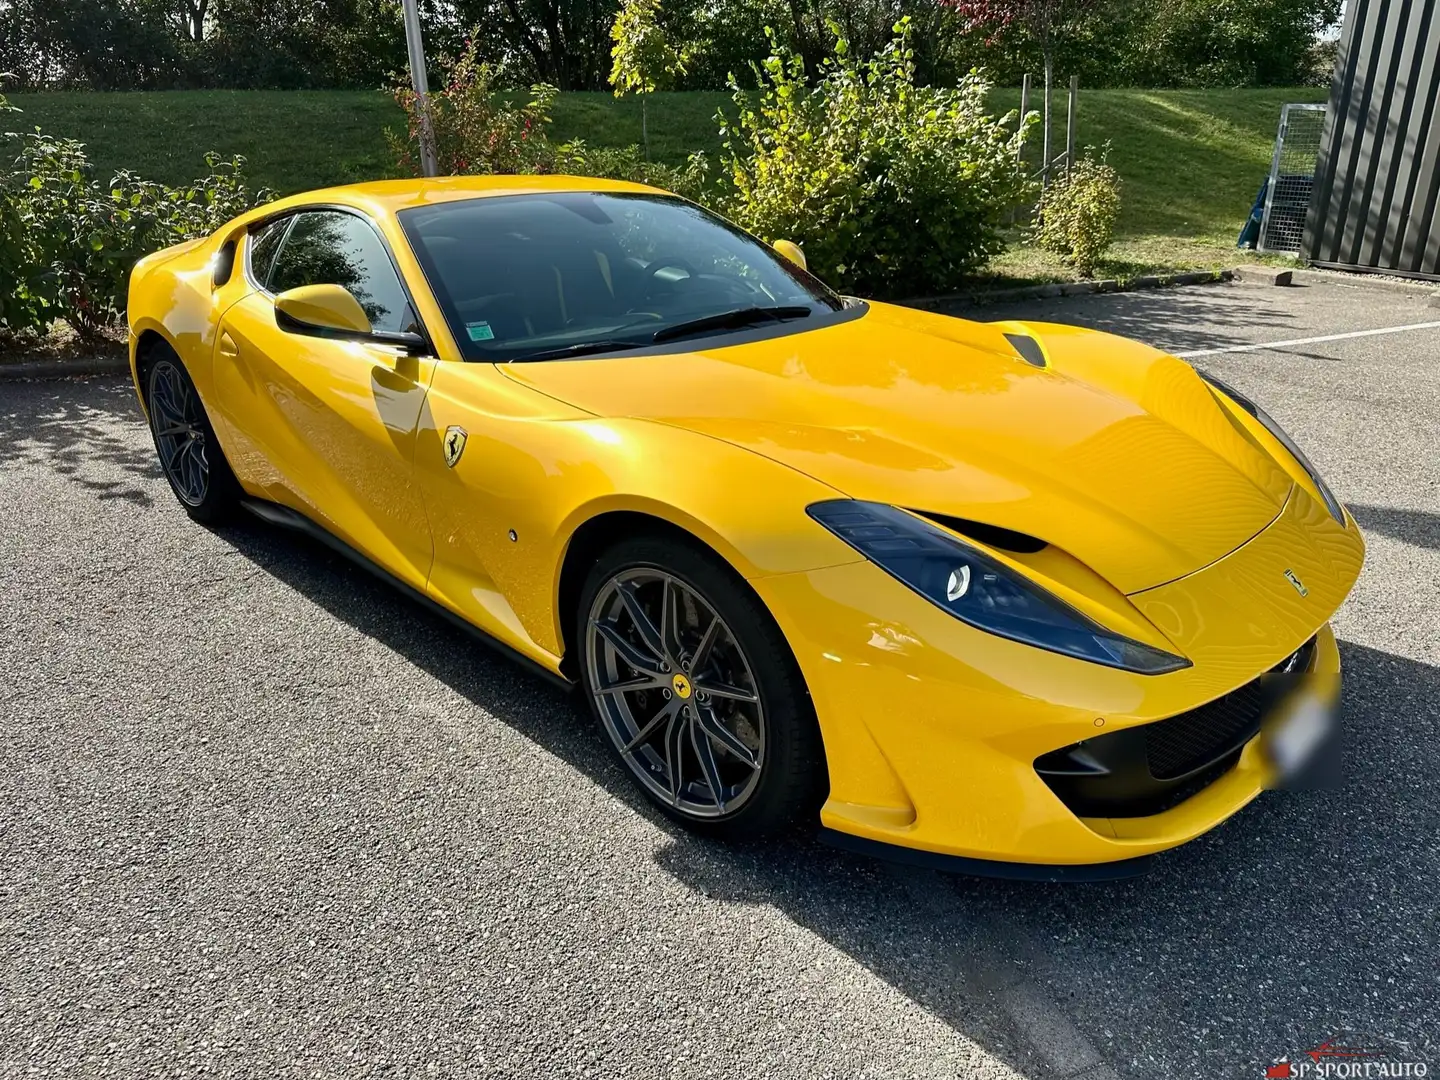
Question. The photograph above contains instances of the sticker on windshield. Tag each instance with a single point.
(479, 331)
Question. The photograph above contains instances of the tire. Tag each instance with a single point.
(736, 690)
(190, 455)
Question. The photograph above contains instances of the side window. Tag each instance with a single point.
(327, 247)
(262, 246)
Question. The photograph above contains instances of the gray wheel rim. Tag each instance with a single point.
(676, 693)
(179, 428)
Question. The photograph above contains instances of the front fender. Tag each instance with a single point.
(539, 469)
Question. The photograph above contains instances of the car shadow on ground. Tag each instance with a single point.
(1418, 527)
(1305, 916)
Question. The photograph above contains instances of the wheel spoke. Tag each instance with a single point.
(165, 406)
(705, 753)
(669, 638)
(643, 623)
(194, 471)
(173, 430)
(644, 734)
(627, 650)
(725, 690)
(712, 726)
(675, 754)
(645, 682)
(171, 453)
(707, 642)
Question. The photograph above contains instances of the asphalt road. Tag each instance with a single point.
(260, 817)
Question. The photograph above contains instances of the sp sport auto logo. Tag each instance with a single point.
(1353, 1057)
(454, 445)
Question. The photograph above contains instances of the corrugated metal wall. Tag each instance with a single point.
(1378, 179)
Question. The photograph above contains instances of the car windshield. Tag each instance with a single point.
(547, 276)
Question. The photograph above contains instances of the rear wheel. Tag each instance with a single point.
(190, 457)
(697, 691)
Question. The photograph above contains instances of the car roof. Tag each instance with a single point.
(392, 196)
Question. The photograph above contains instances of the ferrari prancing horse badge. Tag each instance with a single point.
(454, 444)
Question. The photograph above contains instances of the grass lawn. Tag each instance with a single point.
(1191, 160)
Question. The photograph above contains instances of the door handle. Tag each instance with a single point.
(228, 348)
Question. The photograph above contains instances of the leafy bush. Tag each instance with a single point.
(480, 130)
(891, 188)
(1076, 216)
(67, 241)
(691, 181)
(476, 128)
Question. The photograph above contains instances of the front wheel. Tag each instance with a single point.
(697, 691)
(190, 457)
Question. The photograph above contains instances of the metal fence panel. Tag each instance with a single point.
(1292, 177)
(1378, 179)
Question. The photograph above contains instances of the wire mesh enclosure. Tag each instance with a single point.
(1292, 177)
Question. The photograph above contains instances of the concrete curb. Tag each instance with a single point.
(64, 369)
(1074, 288)
(1263, 275)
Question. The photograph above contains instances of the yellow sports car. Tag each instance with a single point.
(998, 596)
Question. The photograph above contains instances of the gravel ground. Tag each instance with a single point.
(261, 817)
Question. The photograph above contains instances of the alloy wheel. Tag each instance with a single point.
(675, 692)
(179, 426)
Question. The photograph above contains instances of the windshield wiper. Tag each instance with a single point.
(728, 320)
(580, 349)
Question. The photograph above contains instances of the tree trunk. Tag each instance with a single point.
(1045, 136)
(645, 124)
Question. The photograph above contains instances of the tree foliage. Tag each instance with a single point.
(644, 60)
(156, 44)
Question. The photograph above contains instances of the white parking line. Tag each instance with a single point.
(1310, 340)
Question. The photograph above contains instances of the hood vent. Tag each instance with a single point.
(990, 535)
(1028, 348)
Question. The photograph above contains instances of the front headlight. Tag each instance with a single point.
(1268, 422)
(980, 590)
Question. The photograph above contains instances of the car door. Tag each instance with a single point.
(323, 425)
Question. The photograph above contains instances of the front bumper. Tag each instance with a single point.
(933, 729)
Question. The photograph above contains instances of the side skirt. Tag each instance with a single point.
(286, 518)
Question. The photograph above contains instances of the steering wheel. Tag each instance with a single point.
(675, 261)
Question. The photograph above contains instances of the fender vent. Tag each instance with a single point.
(991, 535)
(1028, 348)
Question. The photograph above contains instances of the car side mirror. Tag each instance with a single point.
(328, 310)
(791, 251)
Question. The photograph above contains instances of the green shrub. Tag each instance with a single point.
(692, 180)
(476, 128)
(67, 240)
(480, 130)
(1077, 213)
(891, 188)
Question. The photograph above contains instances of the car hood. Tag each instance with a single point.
(1114, 452)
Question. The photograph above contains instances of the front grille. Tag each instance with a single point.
(1192, 740)
(1149, 768)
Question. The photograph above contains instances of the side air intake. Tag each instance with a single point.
(991, 535)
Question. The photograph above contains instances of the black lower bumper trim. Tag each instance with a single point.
(990, 868)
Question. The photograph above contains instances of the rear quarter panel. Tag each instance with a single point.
(172, 293)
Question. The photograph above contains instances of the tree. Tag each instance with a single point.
(645, 60)
(1043, 20)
